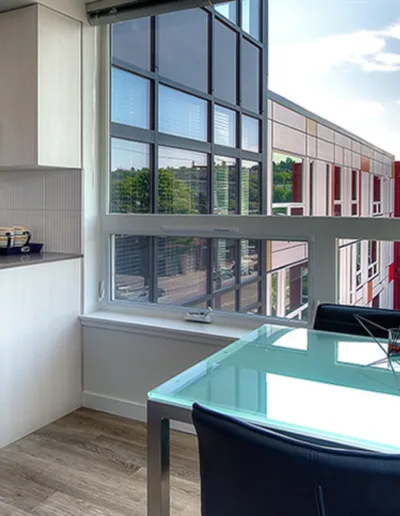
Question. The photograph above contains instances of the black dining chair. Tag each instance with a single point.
(342, 319)
(250, 471)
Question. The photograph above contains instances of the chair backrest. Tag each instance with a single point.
(249, 471)
(340, 319)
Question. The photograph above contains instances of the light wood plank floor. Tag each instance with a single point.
(92, 464)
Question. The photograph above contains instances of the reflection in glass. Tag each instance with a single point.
(131, 42)
(249, 294)
(182, 182)
(296, 279)
(225, 50)
(129, 99)
(251, 17)
(250, 76)
(250, 134)
(224, 126)
(183, 47)
(225, 302)
(250, 188)
(250, 253)
(287, 178)
(224, 260)
(130, 177)
(227, 9)
(182, 114)
(132, 268)
(182, 269)
(225, 186)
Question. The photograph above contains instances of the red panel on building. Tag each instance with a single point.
(365, 164)
(391, 272)
(297, 189)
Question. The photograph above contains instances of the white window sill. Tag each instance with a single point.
(223, 331)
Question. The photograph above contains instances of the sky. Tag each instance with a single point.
(341, 60)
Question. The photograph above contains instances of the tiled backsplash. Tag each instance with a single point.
(48, 202)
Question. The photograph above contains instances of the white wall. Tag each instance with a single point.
(120, 367)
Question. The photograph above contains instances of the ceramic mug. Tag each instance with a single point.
(6, 236)
(22, 236)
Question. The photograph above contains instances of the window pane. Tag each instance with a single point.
(225, 302)
(250, 188)
(225, 126)
(250, 134)
(132, 271)
(225, 186)
(227, 9)
(130, 177)
(182, 269)
(354, 182)
(182, 181)
(225, 45)
(224, 260)
(337, 184)
(129, 99)
(249, 294)
(250, 76)
(296, 287)
(131, 42)
(287, 178)
(182, 114)
(183, 47)
(249, 268)
(251, 17)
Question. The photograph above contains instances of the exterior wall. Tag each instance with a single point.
(322, 147)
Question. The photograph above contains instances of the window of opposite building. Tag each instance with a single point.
(250, 76)
(287, 184)
(225, 62)
(127, 38)
(183, 47)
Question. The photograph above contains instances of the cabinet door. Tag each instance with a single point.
(18, 87)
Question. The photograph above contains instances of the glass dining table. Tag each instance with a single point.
(335, 388)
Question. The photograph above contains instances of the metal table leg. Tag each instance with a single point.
(157, 461)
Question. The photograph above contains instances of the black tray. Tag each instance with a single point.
(27, 249)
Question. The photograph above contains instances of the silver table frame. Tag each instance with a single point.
(158, 467)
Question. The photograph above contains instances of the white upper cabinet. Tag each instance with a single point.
(40, 89)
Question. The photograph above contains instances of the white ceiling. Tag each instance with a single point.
(5, 5)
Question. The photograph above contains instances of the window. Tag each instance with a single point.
(225, 186)
(287, 187)
(376, 192)
(251, 17)
(127, 37)
(311, 182)
(130, 177)
(372, 258)
(182, 182)
(355, 193)
(250, 76)
(182, 114)
(359, 264)
(250, 134)
(337, 192)
(227, 9)
(225, 57)
(130, 99)
(183, 47)
(250, 188)
(224, 126)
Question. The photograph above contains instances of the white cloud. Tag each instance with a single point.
(393, 31)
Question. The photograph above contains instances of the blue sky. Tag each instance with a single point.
(340, 59)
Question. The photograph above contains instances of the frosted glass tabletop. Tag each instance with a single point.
(335, 387)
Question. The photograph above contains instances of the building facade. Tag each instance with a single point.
(194, 131)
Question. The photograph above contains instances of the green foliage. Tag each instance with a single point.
(283, 180)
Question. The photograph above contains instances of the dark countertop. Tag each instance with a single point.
(18, 260)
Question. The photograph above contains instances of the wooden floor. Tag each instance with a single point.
(91, 464)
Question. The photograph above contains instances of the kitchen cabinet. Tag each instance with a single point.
(40, 89)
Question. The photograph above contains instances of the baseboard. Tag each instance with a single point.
(125, 408)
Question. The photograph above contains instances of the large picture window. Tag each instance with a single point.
(287, 184)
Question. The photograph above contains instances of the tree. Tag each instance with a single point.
(283, 180)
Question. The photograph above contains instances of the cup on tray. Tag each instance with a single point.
(14, 236)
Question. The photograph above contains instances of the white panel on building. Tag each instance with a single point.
(356, 146)
(289, 117)
(320, 184)
(325, 150)
(377, 156)
(339, 155)
(325, 133)
(344, 141)
(379, 169)
(366, 209)
(270, 173)
(367, 151)
(347, 158)
(311, 146)
(355, 160)
(373, 166)
(270, 109)
(289, 140)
